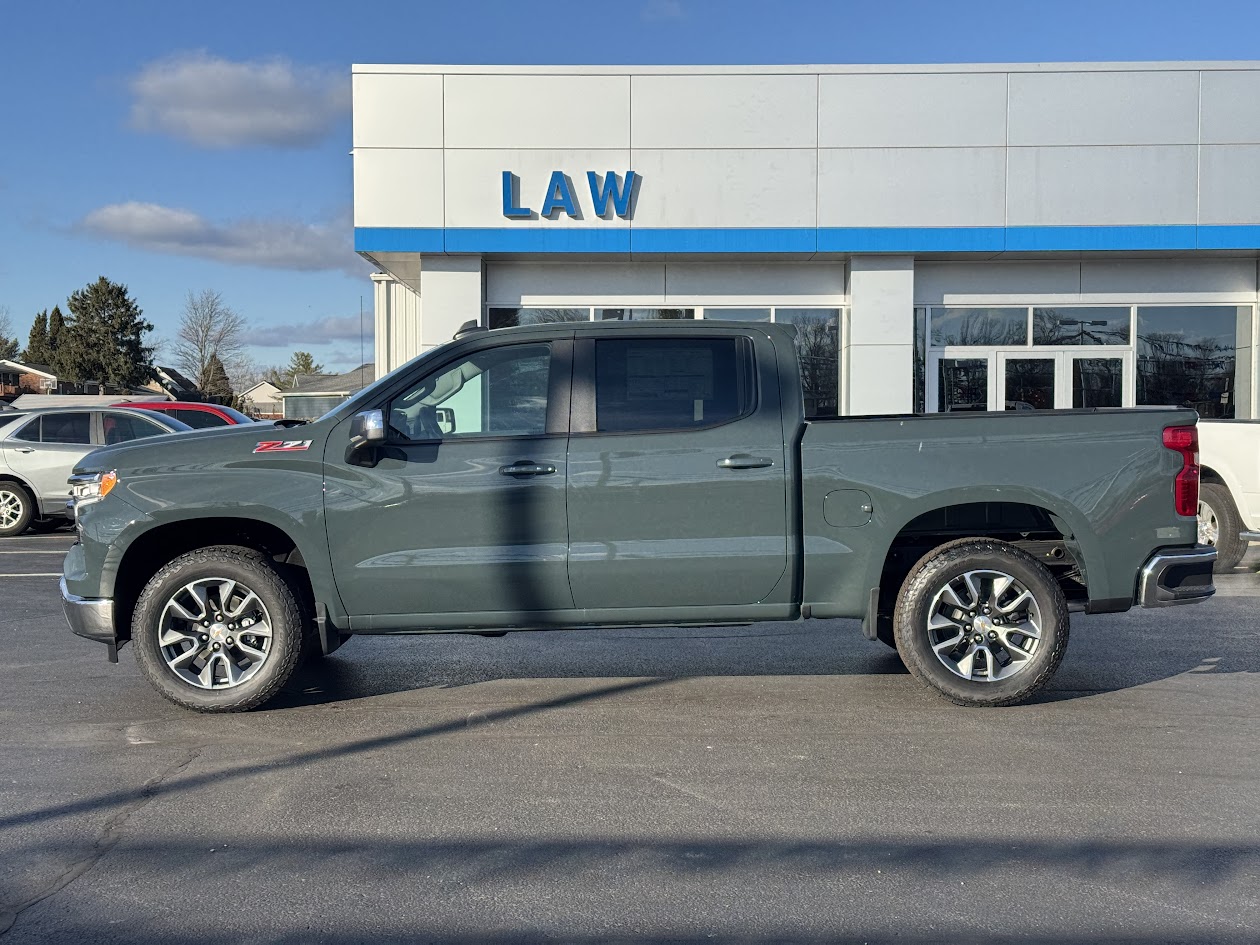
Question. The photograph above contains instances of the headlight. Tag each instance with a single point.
(91, 487)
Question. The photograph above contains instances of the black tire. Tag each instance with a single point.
(950, 563)
(47, 525)
(1215, 500)
(252, 570)
(16, 499)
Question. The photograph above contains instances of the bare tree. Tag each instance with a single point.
(9, 346)
(208, 329)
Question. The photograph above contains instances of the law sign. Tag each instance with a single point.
(561, 198)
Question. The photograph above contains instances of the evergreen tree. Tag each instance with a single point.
(301, 362)
(217, 385)
(56, 336)
(37, 350)
(104, 341)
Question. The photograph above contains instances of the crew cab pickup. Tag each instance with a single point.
(633, 474)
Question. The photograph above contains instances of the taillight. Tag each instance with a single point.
(1185, 440)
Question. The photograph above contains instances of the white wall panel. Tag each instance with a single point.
(780, 283)
(886, 111)
(1229, 184)
(450, 294)
(397, 187)
(474, 185)
(1169, 280)
(996, 283)
(761, 188)
(912, 187)
(537, 111)
(539, 283)
(1230, 107)
(1101, 186)
(1103, 108)
(397, 111)
(729, 111)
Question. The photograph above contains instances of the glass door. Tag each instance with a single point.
(959, 383)
(1029, 381)
(1095, 379)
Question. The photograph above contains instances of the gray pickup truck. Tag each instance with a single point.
(632, 474)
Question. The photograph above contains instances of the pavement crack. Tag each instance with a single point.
(110, 833)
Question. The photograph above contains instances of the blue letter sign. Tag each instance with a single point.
(559, 196)
(600, 192)
(510, 198)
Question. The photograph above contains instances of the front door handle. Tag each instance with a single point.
(526, 468)
(745, 461)
(25, 449)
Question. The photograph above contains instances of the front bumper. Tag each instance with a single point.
(1177, 576)
(91, 618)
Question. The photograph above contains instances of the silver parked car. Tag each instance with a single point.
(39, 450)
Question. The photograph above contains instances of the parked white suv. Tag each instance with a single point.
(39, 449)
(1229, 491)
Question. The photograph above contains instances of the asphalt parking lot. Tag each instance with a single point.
(775, 783)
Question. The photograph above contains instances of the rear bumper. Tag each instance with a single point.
(92, 618)
(1177, 576)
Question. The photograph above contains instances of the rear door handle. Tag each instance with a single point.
(745, 461)
(525, 468)
(25, 449)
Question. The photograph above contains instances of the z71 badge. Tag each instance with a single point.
(282, 446)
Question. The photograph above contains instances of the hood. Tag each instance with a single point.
(202, 447)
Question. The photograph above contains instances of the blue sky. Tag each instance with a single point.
(179, 146)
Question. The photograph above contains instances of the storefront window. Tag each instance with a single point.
(1081, 326)
(964, 384)
(1097, 382)
(511, 317)
(979, 326)
(645, 314)
(1188, 356)
(739, 314)
(818, 348)
(920, 360)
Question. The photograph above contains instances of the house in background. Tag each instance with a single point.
(262, 401)
(17, 378)
(313, 395)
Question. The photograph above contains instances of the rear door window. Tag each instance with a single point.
(66, 428)
(123, 428)
(661, 384)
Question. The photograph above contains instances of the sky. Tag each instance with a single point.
(176, 147)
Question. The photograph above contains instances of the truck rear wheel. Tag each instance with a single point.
(1220, 525)
(218, 629)
(981, 622)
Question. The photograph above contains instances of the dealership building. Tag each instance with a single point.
(945, 237)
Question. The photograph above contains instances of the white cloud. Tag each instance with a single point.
(217, 103)
(322, 331)
(270, 244)
(655, 10)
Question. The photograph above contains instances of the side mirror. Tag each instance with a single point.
(445, 420)
(367, 428)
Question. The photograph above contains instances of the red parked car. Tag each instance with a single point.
(197, 416)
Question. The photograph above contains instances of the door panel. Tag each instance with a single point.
(47, 465)
(464, 511)
(682, 517)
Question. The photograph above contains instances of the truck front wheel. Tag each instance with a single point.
(218, 629)
(981, 622)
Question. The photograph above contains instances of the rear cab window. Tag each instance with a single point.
(668, 384)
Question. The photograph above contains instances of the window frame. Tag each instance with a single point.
(559, 385)
(584, 412)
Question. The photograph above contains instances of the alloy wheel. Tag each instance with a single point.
(12, 506)
(1209, 527)
(215, 633)
(984, 626)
